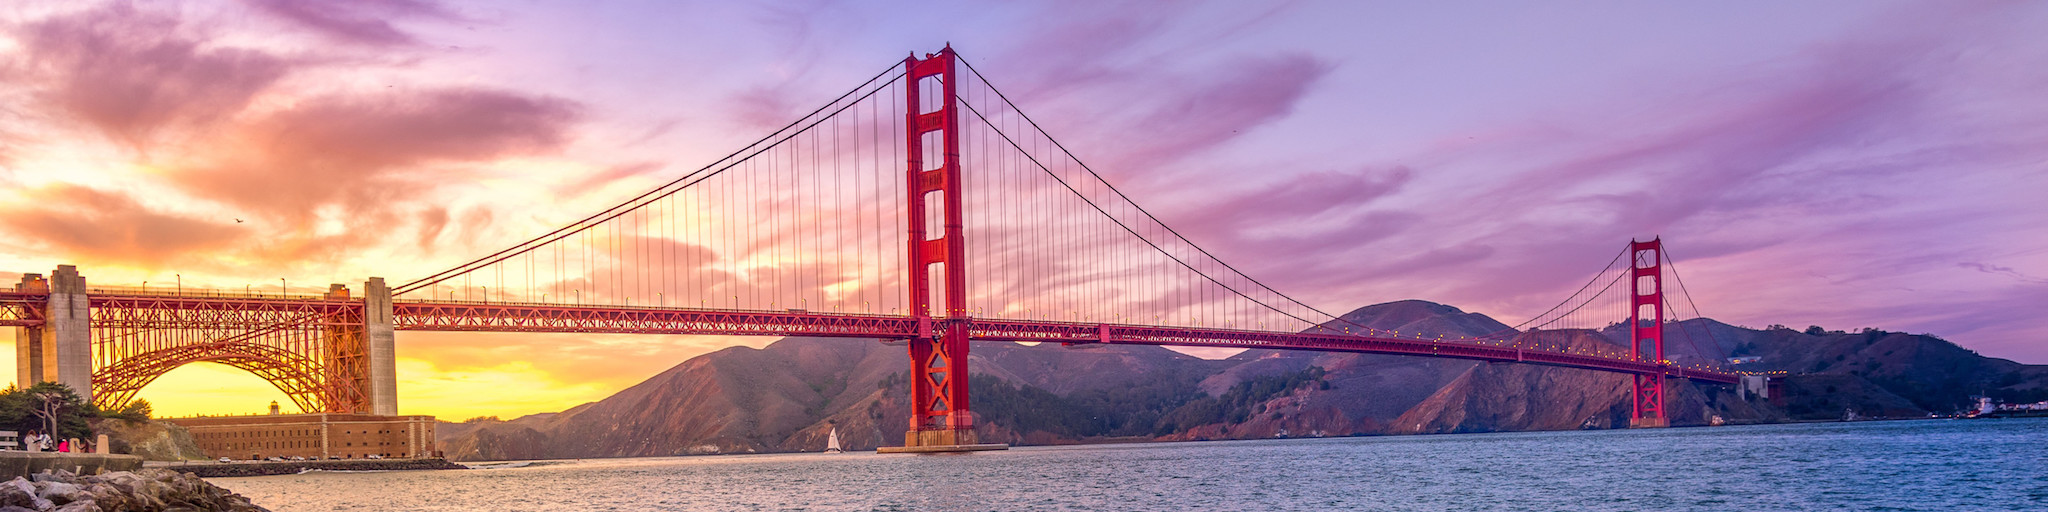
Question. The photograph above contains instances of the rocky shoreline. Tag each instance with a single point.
(145, 489)
(239, 469)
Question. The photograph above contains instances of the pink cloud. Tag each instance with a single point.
(364, 151)
(173, 91)
(359, 21)
(1726, 154)
(88, 225)
(131, 73)
(2003, 271)
(1236, 99)
(1077, 52)
(611, 174)
(766, 108)
(1301, 199)
(431, 222)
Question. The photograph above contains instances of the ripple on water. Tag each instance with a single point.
(1916, 465)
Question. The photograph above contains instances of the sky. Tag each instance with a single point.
(1845, 164)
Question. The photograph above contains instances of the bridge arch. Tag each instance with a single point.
(299, 377)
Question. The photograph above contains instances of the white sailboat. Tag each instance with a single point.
(832, 443)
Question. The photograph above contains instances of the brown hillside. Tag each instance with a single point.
(791, 394)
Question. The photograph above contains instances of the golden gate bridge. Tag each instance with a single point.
(922, 205)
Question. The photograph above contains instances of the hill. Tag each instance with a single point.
(789, 395)
(1876, 372)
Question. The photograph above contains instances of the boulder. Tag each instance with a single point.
(59, 492)
(21, 493)
(147, 489)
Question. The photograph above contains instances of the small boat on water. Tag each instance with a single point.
(832, 443)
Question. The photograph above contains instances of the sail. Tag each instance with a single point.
(832, 443)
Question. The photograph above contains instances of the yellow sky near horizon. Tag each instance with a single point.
(452, 376)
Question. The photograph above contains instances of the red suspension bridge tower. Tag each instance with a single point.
(1646, 330)
(939, 418)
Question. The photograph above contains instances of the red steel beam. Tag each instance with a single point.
(489, 317)
(22, 309)
(293, 373)
(201, 312)
(1001, 330)
(513, 317)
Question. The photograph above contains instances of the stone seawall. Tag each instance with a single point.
(258, 468)
(14, 464)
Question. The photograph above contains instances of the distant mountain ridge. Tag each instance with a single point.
(789, 395)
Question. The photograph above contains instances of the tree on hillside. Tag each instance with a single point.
(48, 407)
(136, 410)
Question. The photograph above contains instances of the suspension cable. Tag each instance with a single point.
(1687, 292)
(616, 210)
(1148, 214)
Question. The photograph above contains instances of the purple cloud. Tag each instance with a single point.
(361, 21)
(2003, 271)
(100, 226)
(361, 151)
(130, 73)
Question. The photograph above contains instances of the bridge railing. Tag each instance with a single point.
(169, 291)
(636, 307)
(1056, 331)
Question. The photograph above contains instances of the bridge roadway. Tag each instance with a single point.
(214, 310)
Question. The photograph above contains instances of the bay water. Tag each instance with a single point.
(1890, 465)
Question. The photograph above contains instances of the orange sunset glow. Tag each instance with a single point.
(277, 147)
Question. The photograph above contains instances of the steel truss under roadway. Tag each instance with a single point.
(135, 333)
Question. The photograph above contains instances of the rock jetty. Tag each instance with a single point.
(145, 489)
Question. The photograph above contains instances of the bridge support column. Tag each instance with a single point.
(939, 417)
(1646, 328)
(30, 344)
(381, 341)
(63, 350)
(1648, 393)
(28, 356)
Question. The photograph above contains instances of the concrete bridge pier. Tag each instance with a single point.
(380, 340)
(28, 342)
(60, 350)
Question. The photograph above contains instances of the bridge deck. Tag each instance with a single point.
(19, 309)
